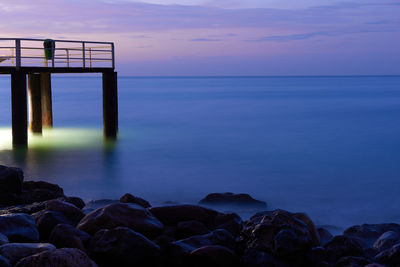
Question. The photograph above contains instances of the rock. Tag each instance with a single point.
(311, 227)
(172, 215)
(370, 232)
(260, 234)
(390, 256)
(11, 179)
(3, 239)
(96, 204)
(63, 257)
(230, 222)
(27, 208)
(47, 220)
(324, 235)
(255, 258)
(213, 256)
(4, 262)
(128, 198)
(19, 228)
(70, 211)
(67, 236)
(285, 243)
(351, 261)
(386, 240)
(40, 191)
(374, 265)
(221, 199)
(341, 246)
(122, 246)
(16, 251)
(132, 216)
(78, 202)
(316, 256)
(190, 228)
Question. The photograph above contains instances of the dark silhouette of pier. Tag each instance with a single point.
(37, 59)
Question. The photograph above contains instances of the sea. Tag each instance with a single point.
(325, 145)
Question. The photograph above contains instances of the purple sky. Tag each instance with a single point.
(223, 37)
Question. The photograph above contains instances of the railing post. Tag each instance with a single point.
(83, 54)
(18, 53)
(53, 51)
(67, 51)
(113, 56)
(90, 57)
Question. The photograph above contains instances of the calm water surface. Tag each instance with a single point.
(329, 146)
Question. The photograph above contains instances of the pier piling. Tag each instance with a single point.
(47, 106)
(19, 109)
(35, 103)
(110, 105)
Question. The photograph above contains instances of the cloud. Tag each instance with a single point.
(205, 40)
(289, 37)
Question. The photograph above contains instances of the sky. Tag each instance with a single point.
(223, 37)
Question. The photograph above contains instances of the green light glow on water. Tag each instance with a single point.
(56, 138)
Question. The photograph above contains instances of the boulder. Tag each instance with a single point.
(122, 247)
(97, 204)
(67, 236)
(390, 256)
(27, 208)
(190, 228)
(47, 220)
(285, 243)
(172, 215)
(341, 246)
(39, 191)
(230, 222)
(77, 201)
(3, 239)
(70, 211)
(57, 258)
(213, 256)
(352, 262)
(222, 199)
(387, 240)
(4, 262)
(324, 235)
(16, 251)
(256, 258)
(370, 232)
(11, 180)
(114, 215)
(19, 227)
(128, 198)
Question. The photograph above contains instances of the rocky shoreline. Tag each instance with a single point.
(40, 226)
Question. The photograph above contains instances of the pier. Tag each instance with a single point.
(30, 63)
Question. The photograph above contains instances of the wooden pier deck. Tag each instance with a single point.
(37, 59)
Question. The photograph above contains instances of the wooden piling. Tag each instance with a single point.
(19, 109)
(47, 106)
(110, 105)
(35, 103)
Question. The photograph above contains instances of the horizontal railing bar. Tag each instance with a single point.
(63, 41)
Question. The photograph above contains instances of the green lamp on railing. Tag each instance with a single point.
(48, 45)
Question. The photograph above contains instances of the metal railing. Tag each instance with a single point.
(18, 52)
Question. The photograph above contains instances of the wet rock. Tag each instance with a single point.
(221, 199)
(67, 236)
(285, 243)
(132, 216)
(11, 179)
(255, 258)
(390, 256)
(77, 201)
(370, 252)
(190, 228)
(57, 258)
(324, 235)
(4, 262)
(230, 222)
(47, 220)
(122, 246)
(213, 256)
(370, 232)
(128, 198)
(28, 208)
(351, 261)
(374, 265)
(172, 215)
(386, 240)
(3, 239)
(342, 246)
(16, 251)
(39, 191)
(96, 204)
(260, 233)
(19, 228)
(70, 211)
